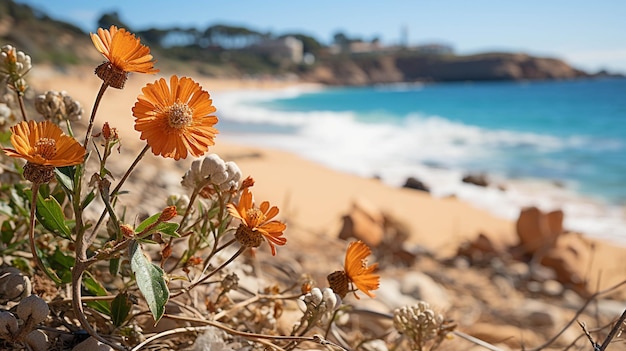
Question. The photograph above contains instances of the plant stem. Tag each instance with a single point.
(129, 171)
(103, 88)
(118, 187)
(77, 276)
(20, 100)
(31, 229)
(616, 328)
(201, 280)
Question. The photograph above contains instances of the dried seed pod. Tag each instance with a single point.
(8, 325)
(34, 308)
(37, 340)
(13, 285)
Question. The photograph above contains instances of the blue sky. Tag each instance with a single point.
(587, 34)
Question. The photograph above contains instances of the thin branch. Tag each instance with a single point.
(256, 337)
(578, 313)
(170, 332)
(614, 331)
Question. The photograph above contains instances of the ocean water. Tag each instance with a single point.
(559, 144)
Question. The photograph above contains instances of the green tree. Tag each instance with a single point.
(112, 18)
(310, 44)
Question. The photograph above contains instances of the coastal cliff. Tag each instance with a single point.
(401, 68)
(63, 44)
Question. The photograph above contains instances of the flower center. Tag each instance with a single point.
(255, 217)
(46, 148)
(179, 115)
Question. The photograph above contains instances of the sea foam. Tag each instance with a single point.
(434, 149)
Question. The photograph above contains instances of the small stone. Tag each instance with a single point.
(416, 184)
(552, 288)
(92, 344)
(422, 287)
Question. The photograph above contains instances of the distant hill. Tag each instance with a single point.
(60, 43)
(421, 68)
(43, 38)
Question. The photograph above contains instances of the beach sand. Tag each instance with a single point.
(313, 198)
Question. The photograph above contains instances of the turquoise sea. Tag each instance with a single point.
(553, 144)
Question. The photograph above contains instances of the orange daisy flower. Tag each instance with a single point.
(123, 50)
(176, 120)
(357, 275)
(125, 54)
(44, 144)
(257, 223)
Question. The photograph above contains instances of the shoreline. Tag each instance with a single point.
(313, 197)
(503, 197)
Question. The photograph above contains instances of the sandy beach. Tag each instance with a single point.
(313, 198)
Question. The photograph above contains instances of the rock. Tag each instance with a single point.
(416, 184)
(536, 315)
(480, 250)
(502, 333)
(552, 288)
(422, 287)
(570, 260)
(363, 222)
(504, 285)
(476, 179)
(92, 344)
(555, 222)
(392, 249)
(536, 230)
(389, 294)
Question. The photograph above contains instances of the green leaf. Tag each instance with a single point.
(20, 197)
(50, 215)
(48, 269)
(95, 288)
(21, 264)
(5, 137)
(167, 229)
(88, 199)
(65, 176)
(147, 222)
(163, 227)
(114, 266)
(6, 209)
(120, 308)
(6, 232)
(62, 260)
(150, 280)
(147, 241)
(58, 264)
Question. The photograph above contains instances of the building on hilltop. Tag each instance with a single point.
(283, 50)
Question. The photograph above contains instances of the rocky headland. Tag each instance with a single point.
(402, 68)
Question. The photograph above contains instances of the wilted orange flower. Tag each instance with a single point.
(175, 120)
(356, 272)
(123, 50)
(44, 144)
(257, 221)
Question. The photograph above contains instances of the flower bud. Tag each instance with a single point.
(332, 300)
(127, 230)
(315, 296)
(167, 214)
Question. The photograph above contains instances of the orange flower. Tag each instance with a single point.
(44, 144)
(175, 120)
(356, 272)
(257, 221)
(123, 50)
